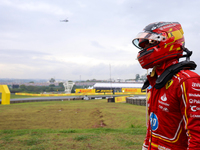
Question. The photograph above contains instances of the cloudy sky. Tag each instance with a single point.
(35, 44)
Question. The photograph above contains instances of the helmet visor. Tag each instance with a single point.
(146, 39)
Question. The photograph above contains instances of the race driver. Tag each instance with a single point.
(173, 89)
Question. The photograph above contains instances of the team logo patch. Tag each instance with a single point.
(153, 121)
(168, 84)
(149, 87)
(164, 98)
(196, 86)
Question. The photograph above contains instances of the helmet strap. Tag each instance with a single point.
(188, 53)
(153, 71)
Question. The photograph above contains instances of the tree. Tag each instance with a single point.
(51, 85)
(61, 86)
(74, 89)
(22, 87)
(52, 80)
(137, 77)
(143, 77)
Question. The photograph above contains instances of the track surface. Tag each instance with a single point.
(59, 98)
(53, 98)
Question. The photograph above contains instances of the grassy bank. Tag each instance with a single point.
(93, 124)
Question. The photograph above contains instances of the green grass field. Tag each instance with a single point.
(79, 124)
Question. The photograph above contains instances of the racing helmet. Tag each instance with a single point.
(159, 42)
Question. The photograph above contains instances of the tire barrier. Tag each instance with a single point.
(111, 99)
(136, 101)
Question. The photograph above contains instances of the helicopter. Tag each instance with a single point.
(65, 20)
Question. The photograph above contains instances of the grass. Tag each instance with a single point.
(82, 125)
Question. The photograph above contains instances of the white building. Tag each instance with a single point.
(68, 86)
(117, 87)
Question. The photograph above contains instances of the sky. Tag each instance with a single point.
(95, 43)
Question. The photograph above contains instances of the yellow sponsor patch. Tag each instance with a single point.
(148, 95)
(168, 84)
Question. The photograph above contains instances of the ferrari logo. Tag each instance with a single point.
(168, 84)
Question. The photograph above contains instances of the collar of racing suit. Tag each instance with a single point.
(167, 74)
(159, 69)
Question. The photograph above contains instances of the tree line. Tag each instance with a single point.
(38, 89)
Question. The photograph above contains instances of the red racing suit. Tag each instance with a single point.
(174, 113)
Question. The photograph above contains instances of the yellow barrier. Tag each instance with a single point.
(131, 90)
(5, 97)
(79, 94)
(120, 99)
(85, 90)
(129, 93)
